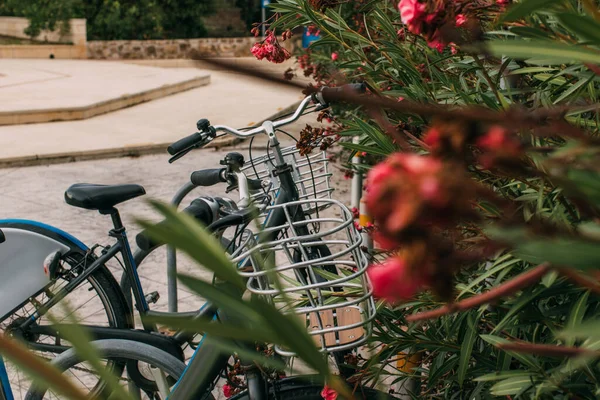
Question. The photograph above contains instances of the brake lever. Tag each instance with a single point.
(180, 154)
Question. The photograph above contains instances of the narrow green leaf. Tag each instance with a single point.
(366, 149)
(209, 327)
(584, 27)
(523, 358)
(246, 354)
(466, 347)
(496, 376)
(222, 296)
(576, 315)
(525, 9)
(585, 330)
(488, 273)
(551, 51)
(511, 386)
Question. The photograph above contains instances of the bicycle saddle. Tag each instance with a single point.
(101, 197)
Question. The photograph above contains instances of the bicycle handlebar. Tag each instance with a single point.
(322, 97)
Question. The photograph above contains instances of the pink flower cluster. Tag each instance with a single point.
(498, 145)
(401, 188)
(270, 49)
(394, 281)
(328, 393)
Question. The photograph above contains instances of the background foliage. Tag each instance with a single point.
(534, 55)
(117, 19)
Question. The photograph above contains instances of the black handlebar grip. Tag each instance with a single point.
(184, 143)
(208, 177)
(329, 94)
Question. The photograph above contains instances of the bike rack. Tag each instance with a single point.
(172, 253)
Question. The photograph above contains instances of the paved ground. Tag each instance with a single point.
(56, 84)
(230, 99)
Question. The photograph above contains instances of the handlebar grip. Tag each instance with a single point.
(328, 93)
(208, 177)
(184, 143)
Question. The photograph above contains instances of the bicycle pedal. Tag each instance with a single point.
(152, 298)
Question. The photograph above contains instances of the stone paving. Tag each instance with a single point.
(230, 99)
(27, 85)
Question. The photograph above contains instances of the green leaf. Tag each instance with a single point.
(246, 354)
(584, 27)
(523, 358)
(209, 327)
(576, 315)
(184, 232)
(556, 250)
(366, 149)
(511, 386)
(529, 32)
(551, 51)
(496, 376)
(585, 330)
(466, 347)
(223, 296)
(494, 269)
(525, 9)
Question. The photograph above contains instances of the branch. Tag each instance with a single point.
(506, 289)
(547, 350)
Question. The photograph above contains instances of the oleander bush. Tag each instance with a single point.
(479, 135)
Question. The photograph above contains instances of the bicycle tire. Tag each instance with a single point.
(110, 305)
(313, 392)
(118, 349)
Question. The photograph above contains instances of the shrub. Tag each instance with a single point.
(505, 230)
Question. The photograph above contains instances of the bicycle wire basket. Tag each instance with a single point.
(320, 267)
(310, 172)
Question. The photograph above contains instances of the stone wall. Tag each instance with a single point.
(15, 27)
(171, 49)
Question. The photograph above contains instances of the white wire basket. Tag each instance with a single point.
(310, 172)
(314, 268)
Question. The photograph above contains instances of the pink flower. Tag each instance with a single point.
(432, 138)
(384, 242)
(270, 49)
(436, 44)
(228, 391)
(498, 139)
(328, 393)
(334, 56)
(417, 165)
(461, 20)
(393, 281)
(401, 34)
(411, 13)
(502, 2)
(453, 48)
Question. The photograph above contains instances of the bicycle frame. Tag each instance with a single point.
(5, 389)
(196, 381)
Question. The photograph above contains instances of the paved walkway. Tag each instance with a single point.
(230, 99)
(56, 84)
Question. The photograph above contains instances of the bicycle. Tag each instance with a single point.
(105, 198)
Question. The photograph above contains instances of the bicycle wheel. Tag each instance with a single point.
(98, 301)
(157, 363)
(313, 392)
